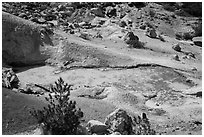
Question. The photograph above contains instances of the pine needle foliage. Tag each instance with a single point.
(60, 117)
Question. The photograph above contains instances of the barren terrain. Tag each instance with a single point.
(107, 74)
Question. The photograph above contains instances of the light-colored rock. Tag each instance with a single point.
(97, 127)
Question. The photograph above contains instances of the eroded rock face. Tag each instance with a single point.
(119, 121)
(22, 41)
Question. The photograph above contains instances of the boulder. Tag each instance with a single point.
(151, 33)
(176, 47)
(132, 40)
(197, 41)
(119, 121)
(97, 12)
(97, 127)
(9, 79)
(176, 57)
(22, 41)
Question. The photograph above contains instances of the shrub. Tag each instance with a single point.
(60, 117)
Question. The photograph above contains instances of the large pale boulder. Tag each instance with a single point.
(22, 41)
(97, 127)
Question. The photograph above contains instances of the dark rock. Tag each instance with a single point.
(131, 39)
(151, 33)
(176, 47)
(197, 41)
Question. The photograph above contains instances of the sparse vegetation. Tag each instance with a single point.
(61, 117)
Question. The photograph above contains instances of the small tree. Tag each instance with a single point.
(60, 117)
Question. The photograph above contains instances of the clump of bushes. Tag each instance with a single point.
(60, 117)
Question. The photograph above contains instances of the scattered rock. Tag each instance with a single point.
(97, 127)
(176, 47)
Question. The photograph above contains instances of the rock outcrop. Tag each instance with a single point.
(22, 41)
